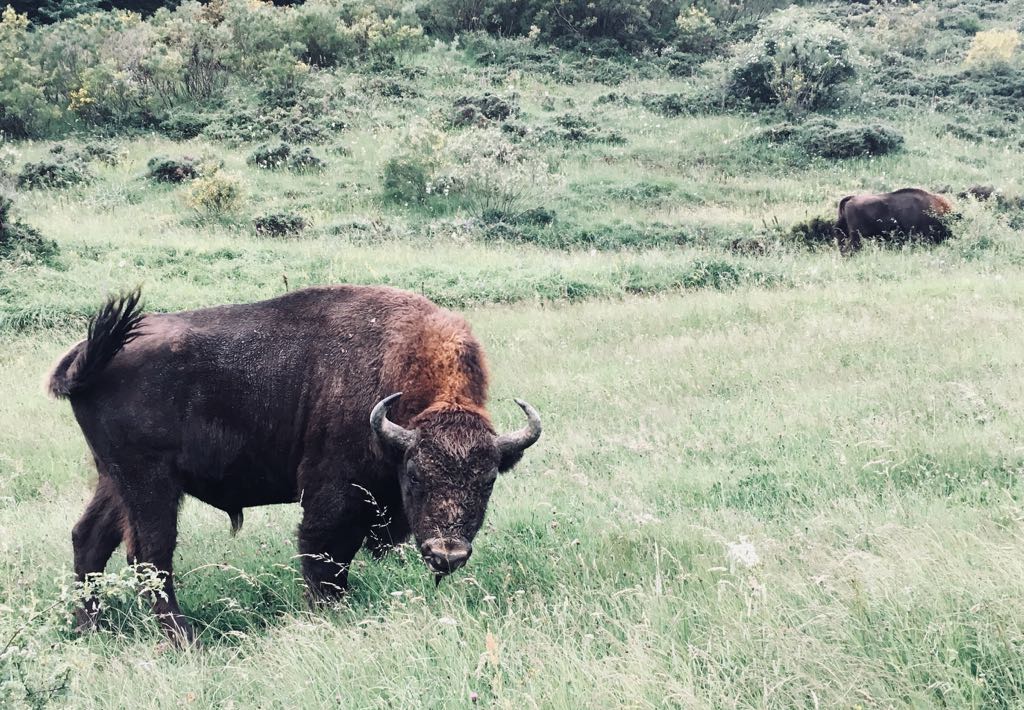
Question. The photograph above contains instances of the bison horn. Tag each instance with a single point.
(399, 437)
(515, 442)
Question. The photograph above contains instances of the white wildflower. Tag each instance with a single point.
(741, 555)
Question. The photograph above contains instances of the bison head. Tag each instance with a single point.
(450, 461)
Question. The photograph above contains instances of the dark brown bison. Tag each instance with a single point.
(898, 216)
(291, 399)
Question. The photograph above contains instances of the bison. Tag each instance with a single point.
(364, 404)
(903, 215)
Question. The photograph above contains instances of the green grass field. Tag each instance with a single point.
(790, 479)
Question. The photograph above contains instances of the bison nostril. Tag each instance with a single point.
(446, 555)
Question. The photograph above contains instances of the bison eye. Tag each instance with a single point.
(413, 474)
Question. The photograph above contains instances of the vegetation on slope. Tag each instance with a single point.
(771, 475)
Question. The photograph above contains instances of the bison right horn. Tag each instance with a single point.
(516, 442)
(395, 435)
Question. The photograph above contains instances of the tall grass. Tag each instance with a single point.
(784, 480)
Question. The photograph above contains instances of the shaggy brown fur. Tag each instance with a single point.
(897, 216)
(269, 403)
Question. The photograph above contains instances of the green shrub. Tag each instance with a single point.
(103, 152)
(214, 194)
(574, 128)
(795, 62)
(284, 81)
(566, 67)
(54, 174)
(305, 161)
(483, 171)
(24, 106)
(750, 246)
(631, 24)
(270, 157)
(853, 141)
(825, 138)
(479, 110)
(536, 217)
(279, 224)
(405, 180)
(163, 169)
(815, 232)
(335, 32)
(19, 240)
(696, 30)
(668, 104)
(184, 125)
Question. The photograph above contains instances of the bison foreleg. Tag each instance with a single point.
(327, 548)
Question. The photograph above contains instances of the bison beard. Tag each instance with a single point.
(292, 399)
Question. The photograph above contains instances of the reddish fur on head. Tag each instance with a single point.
(440, 364)
(941, 205)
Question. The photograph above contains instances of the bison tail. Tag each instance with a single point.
(114, 326)
(842, 206)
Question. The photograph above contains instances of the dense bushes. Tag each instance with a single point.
(56, 173)
(214, 194)
(20, 241)
(815, 232)
(479, 110)
(480, 170)
(279, 224)
(116, 69)
(574, 128)
(164, 169)
(852, 141)
(795, 62)
(270, 157)
(405, 180)
(826, 138)
(280, 155)
(634, 24)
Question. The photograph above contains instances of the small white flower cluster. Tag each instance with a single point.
(741, 555)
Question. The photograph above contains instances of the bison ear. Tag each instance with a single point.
(511, 446)
(508, 461)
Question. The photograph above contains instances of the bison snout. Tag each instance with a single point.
(445, 556)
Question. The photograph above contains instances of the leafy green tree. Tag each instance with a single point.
(56, 10)
(23, 104)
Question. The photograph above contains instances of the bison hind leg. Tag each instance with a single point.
(94, 538)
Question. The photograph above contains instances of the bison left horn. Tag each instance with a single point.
(395, 435)
(516, 442)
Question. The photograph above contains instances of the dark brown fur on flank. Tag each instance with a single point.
(270, 402)
(899, 216)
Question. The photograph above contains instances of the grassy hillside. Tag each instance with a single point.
(771, 475)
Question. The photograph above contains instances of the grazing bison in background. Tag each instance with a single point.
(900, 216)
(291, 399)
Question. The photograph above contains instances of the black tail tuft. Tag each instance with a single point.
(114, 326)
